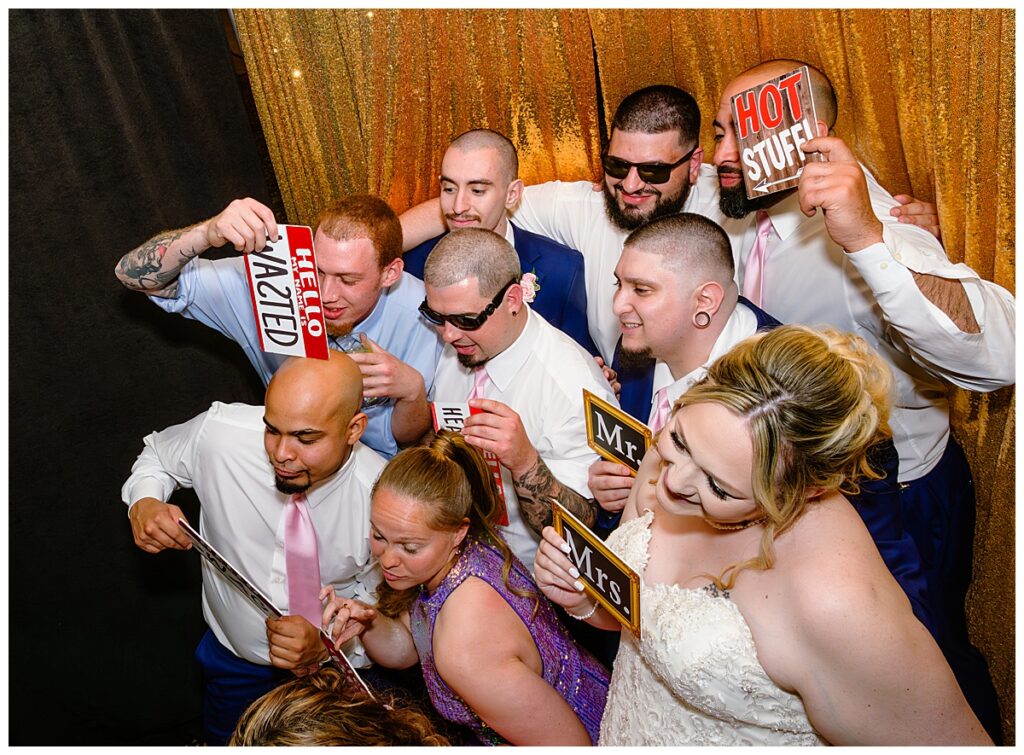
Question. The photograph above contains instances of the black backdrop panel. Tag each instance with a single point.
(122, 124)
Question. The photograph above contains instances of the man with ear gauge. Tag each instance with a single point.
(479, 186)
(831, 251)
(767, 616)
(285, 497)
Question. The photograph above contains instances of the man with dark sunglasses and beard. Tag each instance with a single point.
(652, 168)
(830, 251)
(521, 376)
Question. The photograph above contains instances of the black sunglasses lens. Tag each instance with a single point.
(654, 174)
(430, 315)
(615, 167)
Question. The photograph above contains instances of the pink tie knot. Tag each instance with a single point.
(663, 410)
(753, 274)
(480, 378)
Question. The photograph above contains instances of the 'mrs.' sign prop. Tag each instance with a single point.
(772, 120)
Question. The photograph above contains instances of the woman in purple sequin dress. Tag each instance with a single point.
(495, 657)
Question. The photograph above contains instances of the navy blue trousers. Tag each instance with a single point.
(939, 513)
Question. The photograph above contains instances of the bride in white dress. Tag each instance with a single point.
(767, 615)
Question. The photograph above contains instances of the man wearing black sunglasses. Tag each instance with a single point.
(520, 375)
(652, 168)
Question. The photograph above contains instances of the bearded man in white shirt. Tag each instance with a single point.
(266, 477)
(523, 375)
(833, 252)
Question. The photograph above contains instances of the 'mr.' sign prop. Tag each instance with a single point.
(285, 295)
(614, 434)
(772, 120)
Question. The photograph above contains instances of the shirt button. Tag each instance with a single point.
(884, 265)
(897, 257)
(278, 580)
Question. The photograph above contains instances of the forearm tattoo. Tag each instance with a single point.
(537, 486)
(144, 268)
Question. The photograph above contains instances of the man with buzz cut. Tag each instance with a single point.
(652, 168)
(284, 493)
(524, 377)
(358, 244)
(479, 185)
(830, 251)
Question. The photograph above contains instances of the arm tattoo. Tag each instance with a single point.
(143, 268)
(534, 488)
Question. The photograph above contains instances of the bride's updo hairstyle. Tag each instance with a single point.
(453, 481)
(816, 401)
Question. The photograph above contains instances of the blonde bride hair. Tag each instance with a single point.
(816, 401)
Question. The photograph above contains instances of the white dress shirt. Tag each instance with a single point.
(541, 376)
(574, 214)
(742, 324)
(220, 454)
(808, 278)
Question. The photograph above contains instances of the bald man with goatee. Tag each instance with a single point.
(285, 497)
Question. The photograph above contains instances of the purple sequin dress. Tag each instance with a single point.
(572, 671)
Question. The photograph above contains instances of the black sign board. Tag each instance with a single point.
(614, 434)
(604, 575)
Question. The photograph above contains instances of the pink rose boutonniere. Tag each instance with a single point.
(530, 286)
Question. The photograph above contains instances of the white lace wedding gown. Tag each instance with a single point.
(694, 678)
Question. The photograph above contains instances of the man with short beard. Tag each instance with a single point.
(261, 474)
(479, 184)
(358, 245)
(524, 376)
(830, 251)
(652, 168)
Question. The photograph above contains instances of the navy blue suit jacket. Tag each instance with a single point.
(561, 296)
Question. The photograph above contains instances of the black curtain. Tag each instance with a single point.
(122, 124)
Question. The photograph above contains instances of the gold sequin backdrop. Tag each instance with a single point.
(366, 101)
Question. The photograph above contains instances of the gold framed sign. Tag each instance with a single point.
(615, 435)
(605, 576)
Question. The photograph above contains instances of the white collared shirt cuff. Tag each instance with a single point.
(146, 487)
(891, 278)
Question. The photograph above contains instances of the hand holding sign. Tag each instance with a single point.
(610, 483)
(294, 644)
(499, 429)
(839, 188)
(350, 617)
(556, 577)
(155, 526)
(245, 223)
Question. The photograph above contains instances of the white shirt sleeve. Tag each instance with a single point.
(553, 209)
(981, 361)
(167, 462)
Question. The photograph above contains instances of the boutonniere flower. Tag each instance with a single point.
(530, 286)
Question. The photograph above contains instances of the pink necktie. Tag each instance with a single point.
(661, 415)
(753, 276)
(301, 561)
(479, 383)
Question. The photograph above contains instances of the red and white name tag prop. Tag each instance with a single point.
(453, 417)
(285, 295)
(772, 120)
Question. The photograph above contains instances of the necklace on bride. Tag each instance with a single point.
(737, 525)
